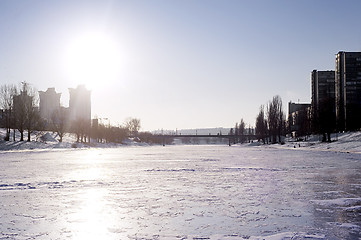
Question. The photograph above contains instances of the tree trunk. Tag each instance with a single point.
(323, 137)
(21, 135)
(7, 137)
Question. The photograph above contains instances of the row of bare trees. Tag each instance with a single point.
(100, 132)
(116, 134)
(241, 131)
(271, 122)
(19, 110)
(323, 119)
(6, 100)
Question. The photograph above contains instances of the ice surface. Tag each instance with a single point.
(180, 192)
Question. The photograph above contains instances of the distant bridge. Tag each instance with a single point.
(232, 139)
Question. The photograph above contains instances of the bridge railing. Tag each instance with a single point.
(232, 139)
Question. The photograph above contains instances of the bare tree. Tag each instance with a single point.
(60, 120)
(33, 120)
(21, 102)
(7, 92)
(261, 125)
(81, 128)
(281, 120)
(275, 117)
(115, 134)
(241, 128)
(101, 132)
(236, 132)
(326, 119)
(133, 125)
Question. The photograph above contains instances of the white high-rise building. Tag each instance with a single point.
(49, 103)
(80, 104)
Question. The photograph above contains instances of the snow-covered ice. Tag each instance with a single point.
(180, 192)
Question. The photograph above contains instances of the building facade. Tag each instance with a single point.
(80, 104)
(323, 101)
(49, 103)
(299, 118)
(348, 90)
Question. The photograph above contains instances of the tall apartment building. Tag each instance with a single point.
(80, 104)
(323, 100)
(348, 90)
(49, 103)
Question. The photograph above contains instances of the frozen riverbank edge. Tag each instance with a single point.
(349, 142)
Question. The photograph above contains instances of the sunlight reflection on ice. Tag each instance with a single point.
(89, 167)
(93, 217)
(93, 220)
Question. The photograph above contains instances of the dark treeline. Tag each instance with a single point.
(241, 131)
(323, 119)
(270, 124)
(19, 111)
(271, 121)
(272, 127)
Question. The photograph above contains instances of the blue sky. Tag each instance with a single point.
(180, 64)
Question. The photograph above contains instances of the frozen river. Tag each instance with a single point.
(180, 192)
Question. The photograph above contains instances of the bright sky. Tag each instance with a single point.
(176, 64)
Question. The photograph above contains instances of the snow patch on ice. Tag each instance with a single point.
(277, 236)
(252, 169)
(171, 170)
(338, 202)
(349, 226)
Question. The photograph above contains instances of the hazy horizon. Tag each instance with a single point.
(179, 64)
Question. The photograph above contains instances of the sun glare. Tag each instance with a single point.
(93, 59)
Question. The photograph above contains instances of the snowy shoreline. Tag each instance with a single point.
(349, 142)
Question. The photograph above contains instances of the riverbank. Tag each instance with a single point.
(341, 142)
(49, 140)
(349, 142)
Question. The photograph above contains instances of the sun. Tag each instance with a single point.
(93, 59)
